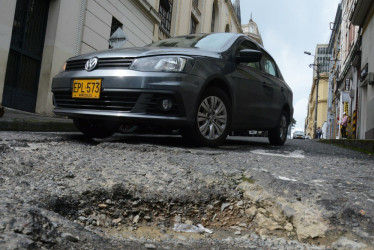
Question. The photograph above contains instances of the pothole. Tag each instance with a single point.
(119, 213)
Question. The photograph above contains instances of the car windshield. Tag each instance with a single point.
(212, 42)
(299, 133)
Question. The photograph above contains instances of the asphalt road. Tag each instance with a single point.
(63, 191)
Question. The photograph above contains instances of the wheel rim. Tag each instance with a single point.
(283, 128)
(212, 117)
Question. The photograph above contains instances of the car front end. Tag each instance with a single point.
(126, 85)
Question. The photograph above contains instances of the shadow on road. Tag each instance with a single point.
(232, 143)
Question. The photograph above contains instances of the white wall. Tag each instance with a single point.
(7, 11)
(98, 20)
(367, 102)
(60, 44)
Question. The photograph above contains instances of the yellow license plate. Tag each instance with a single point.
(87, 88)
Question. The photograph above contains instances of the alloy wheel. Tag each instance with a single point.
(212, 117)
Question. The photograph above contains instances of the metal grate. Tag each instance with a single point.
(108, 101)
(103, 63)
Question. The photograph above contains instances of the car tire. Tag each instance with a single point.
(212, 120)
(96, 128)
(278, 135)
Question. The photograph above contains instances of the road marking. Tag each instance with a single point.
(295, 154)
(286, 179)
(317, 182)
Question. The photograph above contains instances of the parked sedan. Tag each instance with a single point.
(298, 135)
(205, 85)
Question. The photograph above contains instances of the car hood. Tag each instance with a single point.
(148, 51)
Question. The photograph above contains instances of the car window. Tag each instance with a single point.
(269, 66)
(211, 42)
(248, 45)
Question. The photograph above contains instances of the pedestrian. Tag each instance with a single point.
(319, 132)
(343, 125)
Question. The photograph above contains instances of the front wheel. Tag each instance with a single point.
(212, 121)
(278, 135)
(96, 128)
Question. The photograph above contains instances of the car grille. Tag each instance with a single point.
(123, 63)
(108, 101)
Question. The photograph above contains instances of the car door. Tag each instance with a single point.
(271, 104)
(248, 87)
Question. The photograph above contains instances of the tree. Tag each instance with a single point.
(293, 122)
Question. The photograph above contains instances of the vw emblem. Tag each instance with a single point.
(91, 64)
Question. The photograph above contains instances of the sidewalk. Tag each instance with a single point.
(16, 120)
(364, 146)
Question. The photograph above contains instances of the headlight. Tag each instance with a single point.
(63, 68)
(162, 64)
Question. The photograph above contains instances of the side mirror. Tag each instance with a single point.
(249, 56)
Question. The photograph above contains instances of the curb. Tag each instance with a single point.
(37, 126)
(17, 120)
(365, 146)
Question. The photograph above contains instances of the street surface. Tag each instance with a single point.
(62, 191)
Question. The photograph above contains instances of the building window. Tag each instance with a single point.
(165, 10)
(269, 67)
(115, 25)
(193, 26)
(213, 18)
(227, 28)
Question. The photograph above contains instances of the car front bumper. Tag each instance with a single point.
(130, 96)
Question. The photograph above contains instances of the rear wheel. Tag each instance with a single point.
(96, 128)
(278, 135)
(212, 121)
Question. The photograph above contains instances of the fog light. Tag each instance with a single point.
(166, 104)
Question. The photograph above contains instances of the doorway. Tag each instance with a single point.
(25, 54)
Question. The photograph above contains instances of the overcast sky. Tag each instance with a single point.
(288, 28)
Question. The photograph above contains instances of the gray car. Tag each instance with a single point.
(204, 85)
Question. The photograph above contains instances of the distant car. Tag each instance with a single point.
(298, 135)
(205, 85)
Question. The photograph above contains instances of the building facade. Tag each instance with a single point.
(362, 15)
(351, 76)
(37, 36)
(320, 84)
(334, 48)
(346, 94)
(251, 30)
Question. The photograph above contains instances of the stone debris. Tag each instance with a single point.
(116, 221)
(346, 244)
(150, 246)
(177, 219)
(224, 206)
(70, 237)
(136, 219)
(187, 228)
(102, 205)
